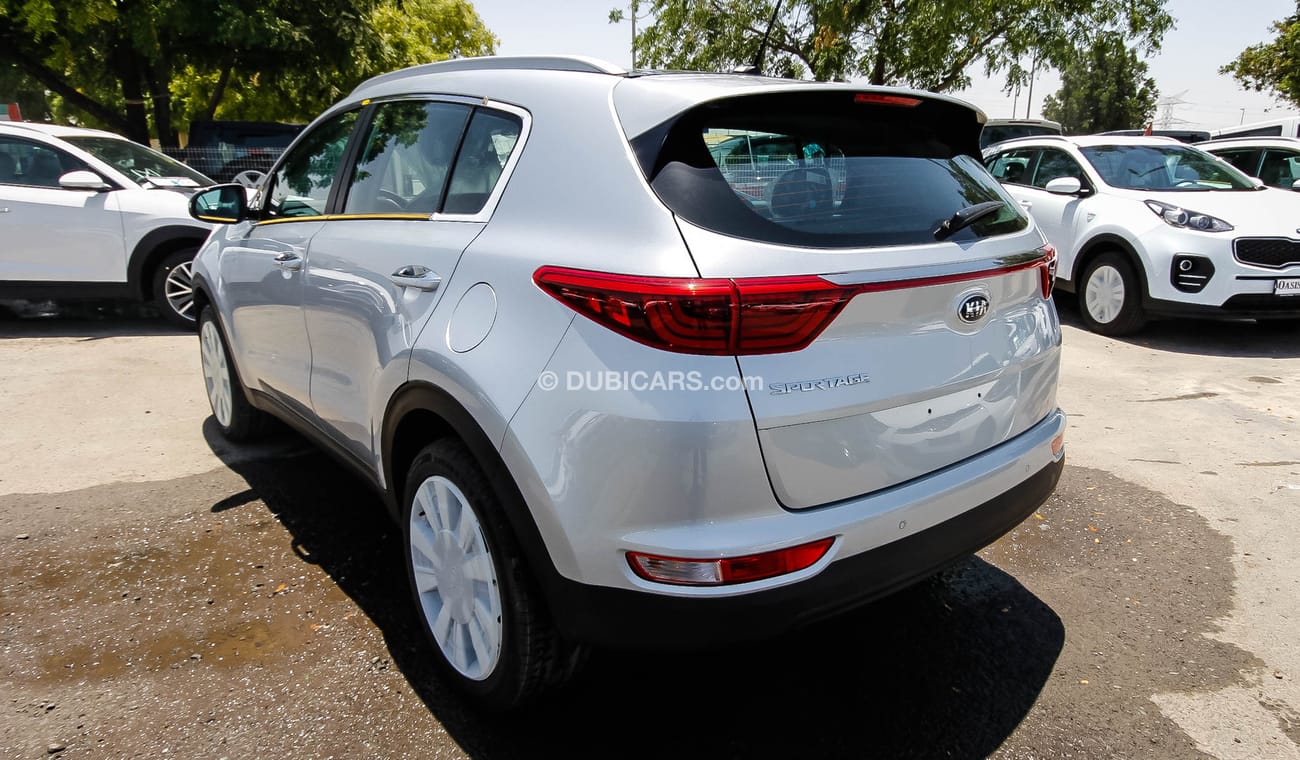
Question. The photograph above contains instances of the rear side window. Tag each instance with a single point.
(407, 156)
(490, 139)
(825, 170)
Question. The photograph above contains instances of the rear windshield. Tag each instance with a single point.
(825, 170)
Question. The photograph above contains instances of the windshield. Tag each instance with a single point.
(136, 161)
(1165, 168)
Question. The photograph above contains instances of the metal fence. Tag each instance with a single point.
(224, 163)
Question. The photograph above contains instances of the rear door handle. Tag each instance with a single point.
(289, 261)
(4, 210)
(416, 276)
(1027, 204)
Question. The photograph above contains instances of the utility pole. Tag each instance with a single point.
(1033, 71)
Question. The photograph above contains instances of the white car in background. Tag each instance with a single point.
(86, 214)
(1275, 161)
(1147, 226)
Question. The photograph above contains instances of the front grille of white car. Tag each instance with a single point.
(1267, 252)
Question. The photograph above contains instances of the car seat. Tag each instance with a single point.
(8, 169)
(44, 170)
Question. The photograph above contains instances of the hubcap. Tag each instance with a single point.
(216, 372)
(455, 578)
(1104, 294)
(178, 289)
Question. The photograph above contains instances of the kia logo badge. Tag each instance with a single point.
(973, 308)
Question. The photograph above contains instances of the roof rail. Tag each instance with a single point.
(577, 63)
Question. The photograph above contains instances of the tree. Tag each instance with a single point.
(121, 64)
(1105, 87)
(931, 44)
(1272, 66)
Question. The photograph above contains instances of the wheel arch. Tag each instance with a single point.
(1102, 244)
(419, 414)
(153, 248)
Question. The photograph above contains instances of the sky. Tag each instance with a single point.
(1207, 35)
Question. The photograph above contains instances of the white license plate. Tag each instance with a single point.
(1289, 287)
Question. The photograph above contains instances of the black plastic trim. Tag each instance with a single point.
(40, 290)
(626, 619)
(148, 253)
(1240, 306)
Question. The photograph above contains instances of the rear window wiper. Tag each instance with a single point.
(966, 217)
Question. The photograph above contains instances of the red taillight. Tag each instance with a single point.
(722, 317)
(701, 315)
(1048, 269)
(683, 571)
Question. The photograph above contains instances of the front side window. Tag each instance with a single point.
(1281, 168)
(302, 183)
(407, 158)
(1164, 168)
(33, 164)
(1055, 164)
(1246, 160)
(826, 170)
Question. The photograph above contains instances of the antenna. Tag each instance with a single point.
(762, 47)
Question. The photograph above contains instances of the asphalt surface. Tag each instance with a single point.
(163, 593)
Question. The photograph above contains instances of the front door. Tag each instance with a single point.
(263, 265)
(378, 269)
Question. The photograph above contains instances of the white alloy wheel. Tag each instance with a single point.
(455, 578)
(216, 373)
(178, 289)
(1104, 294)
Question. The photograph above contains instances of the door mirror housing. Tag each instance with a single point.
(1064, 186)
(220, 204)
(83, 180)
(1295, 185)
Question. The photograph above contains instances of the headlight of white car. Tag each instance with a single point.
(1187, 219)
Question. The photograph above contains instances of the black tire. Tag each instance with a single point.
(170, 280)
(243, 421)
(531, 655)
(1130, 316)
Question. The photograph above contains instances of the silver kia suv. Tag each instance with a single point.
(623, 387)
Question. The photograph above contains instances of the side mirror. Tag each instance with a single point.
(221, 204)
(83, 180)
(1295, 185)
(1064, 186)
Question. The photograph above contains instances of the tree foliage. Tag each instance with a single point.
(124, 64)
(931, 44)
(1272, 66)
(1105, 87)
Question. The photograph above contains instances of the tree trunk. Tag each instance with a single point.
(160, 85)
(127, 66)
(218, 92)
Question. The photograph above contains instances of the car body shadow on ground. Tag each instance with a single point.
(949, 667)
(89, 320)
(1208, 337)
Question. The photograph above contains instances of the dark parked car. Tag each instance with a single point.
(224, 149)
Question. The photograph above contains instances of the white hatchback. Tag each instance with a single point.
(1147, 226)
(88, 214)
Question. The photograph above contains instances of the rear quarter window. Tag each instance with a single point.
(824, 170)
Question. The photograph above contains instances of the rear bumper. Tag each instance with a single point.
(621, 618)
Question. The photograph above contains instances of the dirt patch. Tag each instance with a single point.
(271, 618)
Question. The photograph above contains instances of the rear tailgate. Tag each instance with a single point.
(945, 345)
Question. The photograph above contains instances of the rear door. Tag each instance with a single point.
(947, 345)
(420, 190)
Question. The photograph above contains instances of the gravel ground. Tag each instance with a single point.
(165, 594)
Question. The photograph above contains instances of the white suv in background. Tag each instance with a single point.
(1147, 226)
(88, 214)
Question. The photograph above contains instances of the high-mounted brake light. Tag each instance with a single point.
(732, 317)
(682, 571)
(880, 98)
